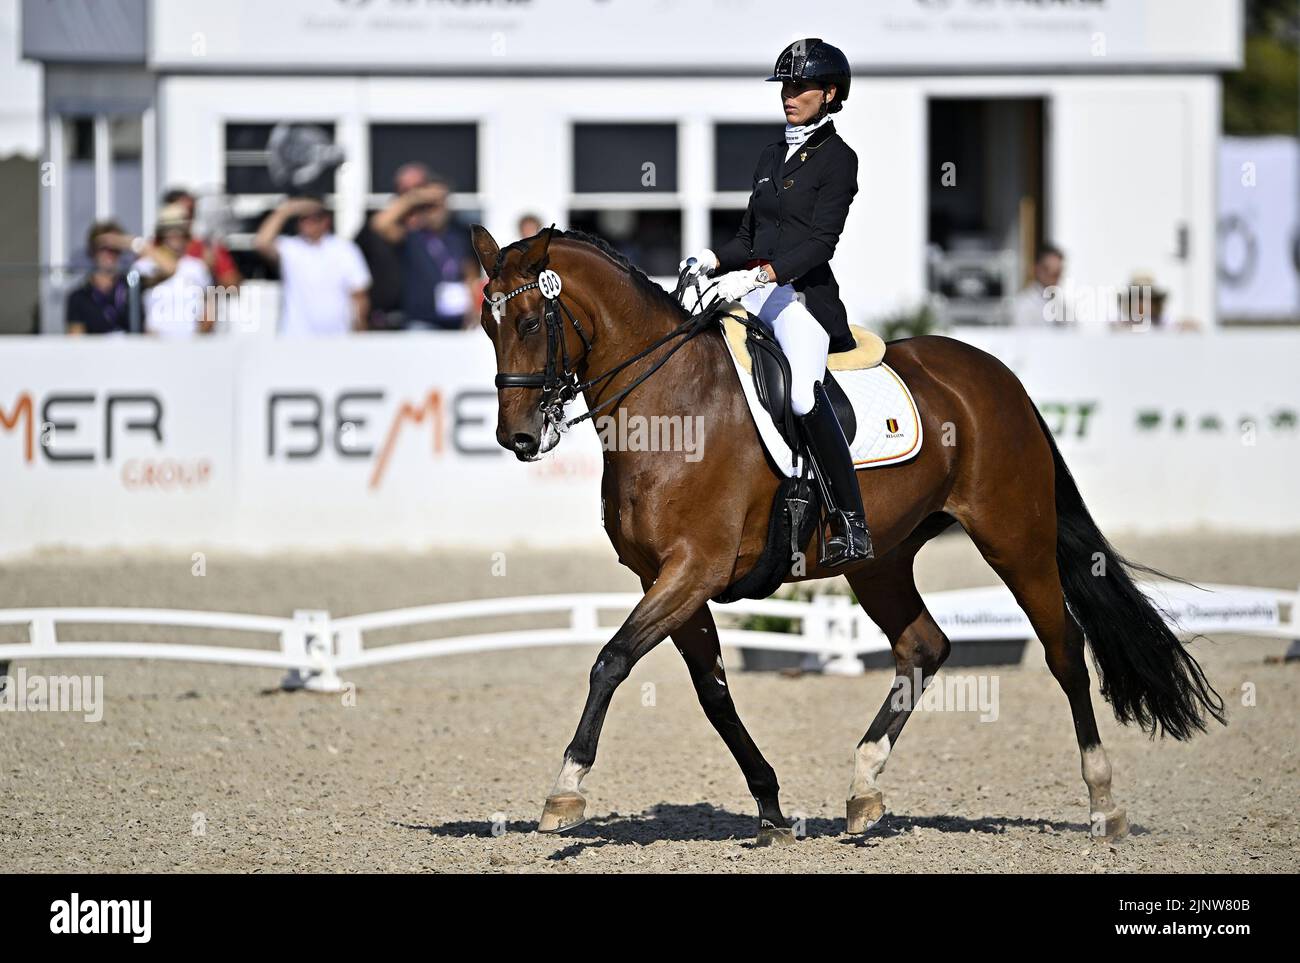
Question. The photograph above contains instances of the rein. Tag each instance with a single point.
(559, 382)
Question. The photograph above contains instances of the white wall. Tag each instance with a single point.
(1129, 158)
(20, 81)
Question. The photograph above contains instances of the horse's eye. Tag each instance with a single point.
(528, 325)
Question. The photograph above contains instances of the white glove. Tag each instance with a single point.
(706, 262)
(734, 286)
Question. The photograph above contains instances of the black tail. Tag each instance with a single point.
(1144, 672)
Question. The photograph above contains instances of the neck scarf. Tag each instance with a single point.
(794, 136)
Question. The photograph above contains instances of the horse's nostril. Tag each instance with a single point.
(523, 442)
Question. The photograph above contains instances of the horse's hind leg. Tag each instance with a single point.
(887, 592)
(697, 641)
(1024, 556)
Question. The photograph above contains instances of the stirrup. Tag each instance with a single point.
(849, 541)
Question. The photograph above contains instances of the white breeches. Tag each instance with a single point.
(804, 341)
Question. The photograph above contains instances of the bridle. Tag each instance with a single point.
(558, 381)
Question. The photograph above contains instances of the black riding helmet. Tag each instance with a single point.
(814, 59)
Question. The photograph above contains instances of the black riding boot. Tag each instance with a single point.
(849, 540)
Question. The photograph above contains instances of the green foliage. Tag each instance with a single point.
(802, 592)
(909, 323)
(1264, 97)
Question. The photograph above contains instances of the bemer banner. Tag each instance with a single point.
(388, 440)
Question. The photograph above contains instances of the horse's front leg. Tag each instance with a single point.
(675, 596)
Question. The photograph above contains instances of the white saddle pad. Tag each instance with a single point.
(888, 425)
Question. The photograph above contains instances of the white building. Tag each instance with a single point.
(1090, 123)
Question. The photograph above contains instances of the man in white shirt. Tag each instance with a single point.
(176, 306)
(1041, 304)
(324, 278)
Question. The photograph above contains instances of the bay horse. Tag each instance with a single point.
(564, 306)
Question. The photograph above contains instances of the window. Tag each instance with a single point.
(248, 181)
(735, 153)
(246, 161)
(625, 190)
(609, 158)
(650, 239)
(447, 149)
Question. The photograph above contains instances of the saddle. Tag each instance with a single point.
(796, 507)
(767, 365)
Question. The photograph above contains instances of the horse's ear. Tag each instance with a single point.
(543, 259)
(485, 246)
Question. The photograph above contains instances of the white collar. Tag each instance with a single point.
(794, 136)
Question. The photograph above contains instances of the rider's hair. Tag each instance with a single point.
(835, 105)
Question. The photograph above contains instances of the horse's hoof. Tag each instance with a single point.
(769, 835)
(562, 811)
(865, 811)
(1111, 825)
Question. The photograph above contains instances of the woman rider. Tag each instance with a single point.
(780, 264)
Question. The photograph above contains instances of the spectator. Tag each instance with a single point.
(530, 225)
(221, 265)
(439, 271)
(101, 304)
(1041, 303)
(324, 279)
(176, 307)
(1141, 304)
(385, 258)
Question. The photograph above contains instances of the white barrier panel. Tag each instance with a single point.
(384, 440)
(388, 440)
(1169, 431)
(315, 648)
(992, 613)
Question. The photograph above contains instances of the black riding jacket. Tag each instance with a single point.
(794, 219)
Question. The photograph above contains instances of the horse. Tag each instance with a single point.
(566, 313)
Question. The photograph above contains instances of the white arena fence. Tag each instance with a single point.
(316, 647)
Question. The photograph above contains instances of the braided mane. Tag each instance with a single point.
(640, 279)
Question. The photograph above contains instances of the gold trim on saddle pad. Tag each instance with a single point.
(869, 350)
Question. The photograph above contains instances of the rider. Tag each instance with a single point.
(780, 264)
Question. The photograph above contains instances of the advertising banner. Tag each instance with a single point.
(388, 440)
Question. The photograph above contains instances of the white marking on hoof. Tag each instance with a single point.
(1096, 774)
(868, 762)
(570, 778)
